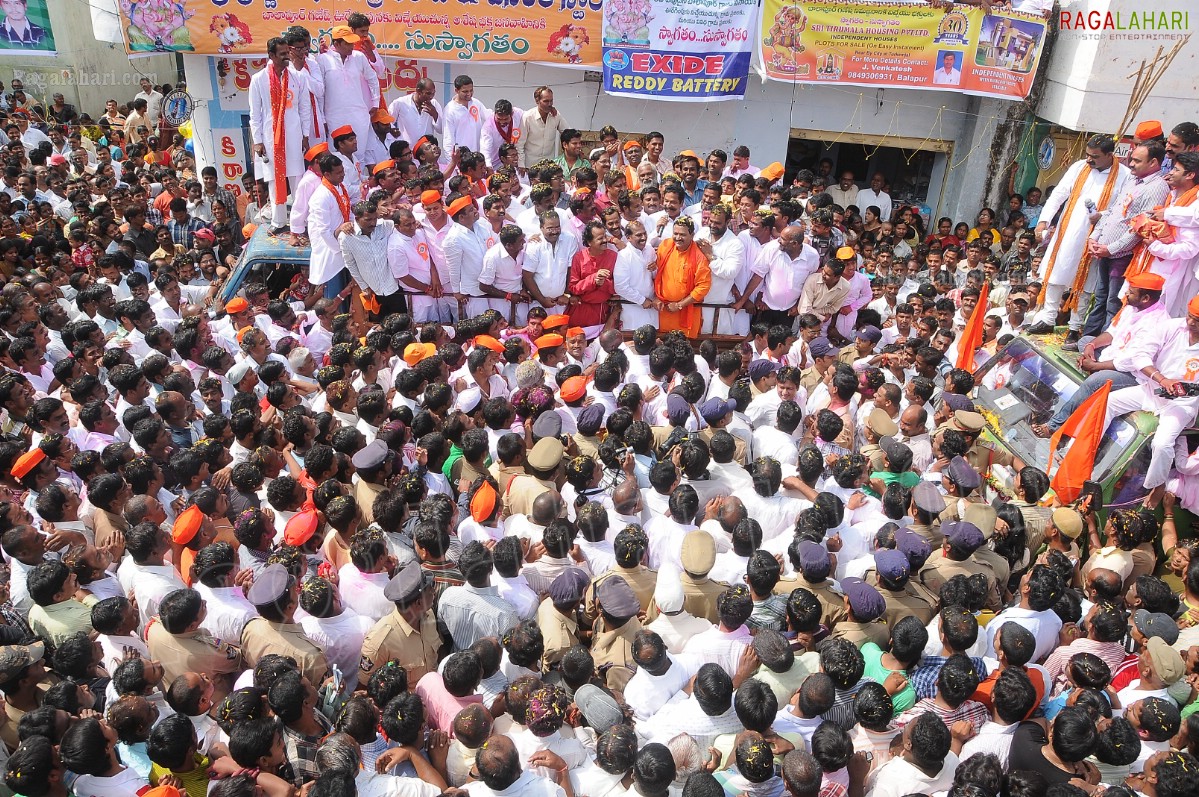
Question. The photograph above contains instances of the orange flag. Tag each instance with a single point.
(1085, 425)
(972, 336)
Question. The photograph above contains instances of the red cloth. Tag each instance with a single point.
(592, 308)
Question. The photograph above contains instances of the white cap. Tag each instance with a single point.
(237, 372)
(469, 400)
(668, 592)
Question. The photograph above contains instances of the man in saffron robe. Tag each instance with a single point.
(683, 278)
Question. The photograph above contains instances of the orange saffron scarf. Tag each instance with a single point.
(280, 101)
(342, 196)
(1084, 264)
(1142, 260)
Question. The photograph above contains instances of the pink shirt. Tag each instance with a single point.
(440, 706)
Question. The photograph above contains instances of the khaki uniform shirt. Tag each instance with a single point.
(392, 638)
(861, 633)
(699, 596)
(1036, 522)
(740, 451)
(615, 647)
(261, 637)
(365, 495)
(559, 632)
(913, 599)
(640, 579)
(939, 569)
(521, 492)
(832, 601)
(195, 651)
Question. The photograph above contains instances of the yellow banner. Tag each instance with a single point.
(565, 32)
(898, 45)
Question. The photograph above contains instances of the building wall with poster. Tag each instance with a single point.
(959, 126)
(85, 71)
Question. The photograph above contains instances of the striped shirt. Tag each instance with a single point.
(971, 710)
(366, 258)
(471, 613)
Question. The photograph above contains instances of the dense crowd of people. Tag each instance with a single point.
(567, 474)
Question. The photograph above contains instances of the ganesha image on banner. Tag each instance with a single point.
(157, 26)
(785, 37)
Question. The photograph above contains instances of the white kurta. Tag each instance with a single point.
(324, 217)
(300, 198)
(728, 258)
(550, 265)
(491, 139)
(464, 259)
(346, 103)
(297, 121)
(634, 282)
(316, 100)
(464, 125)
(354, 178)
(1178, 262)
(1073, 231)
(414, 123)
(504, 273)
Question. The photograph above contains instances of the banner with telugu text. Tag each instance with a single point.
(682, 50)
(898, 45)
(565, 32)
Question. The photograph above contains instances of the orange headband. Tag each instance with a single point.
(483, 502)
(460, 204)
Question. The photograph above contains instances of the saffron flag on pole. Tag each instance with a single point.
(972, 336)
(1085, 427)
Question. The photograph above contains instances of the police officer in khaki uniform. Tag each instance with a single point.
(985, 517)
(814, 566)
(177, 641)
(892, 577)
(276, 595)
(409, 633)
(373, 464)
(865, 608)
(956, 557)
(699, 591)
(557, 616)
(959, 481)
(543, 471)
(927, 505)
(824, 354)
(615, 629)
(717, 414)
(878, 425)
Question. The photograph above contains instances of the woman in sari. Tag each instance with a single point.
(683, 278)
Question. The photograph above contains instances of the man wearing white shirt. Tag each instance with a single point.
(301, 195)
(362, 580)
(844, 193)
(153, 101)
(346, 71)
(875, 196)
(547, 264)
(948, 74)
(779, 440)
(781, 270)
(308, 66)
(418, 114)
(502, 276)
(329, 214)
(1039, 590)
(464, 117)
(633, 278)
(726, 261)
(464, 255)
(409, 255)
(740, 164)
(280, 112)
